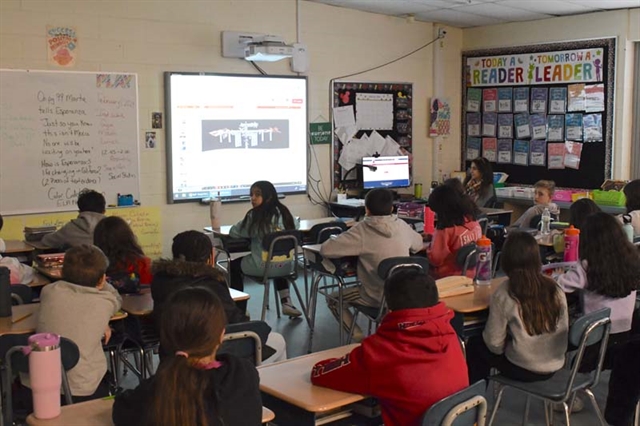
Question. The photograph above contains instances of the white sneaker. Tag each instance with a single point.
(289, 310)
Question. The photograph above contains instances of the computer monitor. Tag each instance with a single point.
(386, 172)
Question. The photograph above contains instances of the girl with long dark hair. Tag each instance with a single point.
(479, 183)
(193, 385)
(267, 215)
(114, 237)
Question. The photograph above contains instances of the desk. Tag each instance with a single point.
(97, 413)
(15, 247)
(286, 388)
(28, 324)
(141, 304)
(39, 281)
(305, 225)
(23, 326)
(54, 274)
(474, 302)
(500, 216)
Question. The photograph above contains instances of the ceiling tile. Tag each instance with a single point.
(608, 4)
(503, 12)
(385, 7)
(550, 7)
(457, 18)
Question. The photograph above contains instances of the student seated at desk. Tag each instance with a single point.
(544, 190)
(114, 237)
(193, 385)
(608, 274)
(267, 215)
(632, 194)
(379, 236)
(91, 205)
(456, 227)
(193, 266)
(19, 273)
(526, 333)
(580, 210)
(413, 360)
(79, 308)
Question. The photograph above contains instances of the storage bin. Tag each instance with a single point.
(578, 195)
(562, 195)
(504, 192)
(609, 198)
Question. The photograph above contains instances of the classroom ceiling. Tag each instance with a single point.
(475, 13)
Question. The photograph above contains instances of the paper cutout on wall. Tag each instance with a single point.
(521, 99)
(572, 153)
(592, 125)
(473, 123)
(538, 100)
(505, 99)
(557, 100)
(489, 149)
(62, 45)
(573, 124)
(556, 155)
(473, 148)
(538, 153)
(504, 151)
(521, 153)
(555, 128)
(489, 100)
(489, 123)
(474, 98)
(505, 126)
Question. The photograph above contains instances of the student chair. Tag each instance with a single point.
(561, 388)
(243, 344)
(467, 407)
(318, 234)
(21, 294)
(467, 257)
(119, 347)
(483, 221)
(281, 247)
(16, 360)
(386, 268)
(342, 272)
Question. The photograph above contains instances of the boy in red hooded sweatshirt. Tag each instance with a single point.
(412, 361)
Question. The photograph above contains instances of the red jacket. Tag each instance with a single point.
(142, 266)
(445, 245)
(412, 361)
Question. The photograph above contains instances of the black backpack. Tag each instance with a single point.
(497, 234)
(125, 282)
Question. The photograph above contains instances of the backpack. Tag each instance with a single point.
(497, 234)
(125, 282)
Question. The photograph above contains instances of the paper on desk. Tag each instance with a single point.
(345, 134)
(377, 142)
(343, 116)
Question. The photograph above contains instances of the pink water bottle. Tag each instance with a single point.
(571, 243)
(45, 374)
(429, 220)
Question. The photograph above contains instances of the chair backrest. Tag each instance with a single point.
(467, 257)
(321, 232)
(558, 265)
(590, 329)
(483, 221)
(393, 264)
(491, 202)
(467, 407)
(21, 293)
(281, 243)
(243, 344)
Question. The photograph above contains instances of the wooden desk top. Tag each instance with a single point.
(476, 301)
(494, 212)
(39, 281)
(141, 304)
(24, 325)
(39, 245)
(15, 247)
(290, 381)
(97, 413)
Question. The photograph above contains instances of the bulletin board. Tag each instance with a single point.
(557, 100)
(386, 108)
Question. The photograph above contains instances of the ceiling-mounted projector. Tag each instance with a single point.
(267, 52)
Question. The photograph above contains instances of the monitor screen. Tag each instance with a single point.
(386, 172)
(225, 132)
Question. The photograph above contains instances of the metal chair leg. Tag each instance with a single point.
(352, 328)
(276, 298)
(313, 302)
(496, 406)
(547, 406)
(265, 301)
(592, 398)
(567, 414)
(305, 310)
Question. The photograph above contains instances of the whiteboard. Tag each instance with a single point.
(61, 132)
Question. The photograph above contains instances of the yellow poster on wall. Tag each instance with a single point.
(144, 221)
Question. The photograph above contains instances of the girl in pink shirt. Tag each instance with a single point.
(456, 227)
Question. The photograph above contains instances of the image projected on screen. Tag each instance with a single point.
(225, 132)
(242, 134)
(385, 172)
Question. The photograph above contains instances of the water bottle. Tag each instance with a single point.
(45, 374)
(429, 221)
(215, 208)
(5, 292)
(545, 222)
(571, 244)
(483, 265)
(628, 227)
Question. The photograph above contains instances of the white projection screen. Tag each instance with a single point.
(225, 132)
